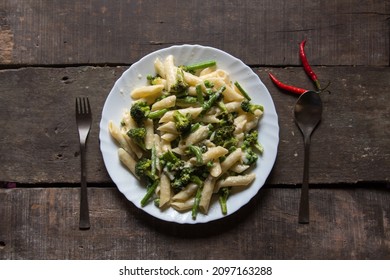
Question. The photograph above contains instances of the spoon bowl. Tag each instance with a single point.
(307, 115)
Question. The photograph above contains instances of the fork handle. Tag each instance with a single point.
(84, 208)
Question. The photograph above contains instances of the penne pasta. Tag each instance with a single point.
(183, 206)
(170, 71)
(191, 91)
(239, 167)
(217, 74)
(192, 80)
(231, 159)
(239, 123)
(194, 112)
(179, 151)
(199, 135)
(149, 138)
(165, 145)
(165, 190)
(186, 193)
(230, 95)
(159, 67)
(127, 121)
(124, 141)
(206, 71)
(169, 137)
(207, 192)
(235, 181)
(216, 169)
(209, 119)
(234, 106)
(254, 121)
(134, 149)
(164, 103)
(147, 91)
(168, 127)
(212, 154)
(127, 160)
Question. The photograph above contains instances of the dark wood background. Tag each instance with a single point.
(53, 51)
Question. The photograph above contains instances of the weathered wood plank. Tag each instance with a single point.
(352, 140)
(266, 33)
(346, 224)
(39, 142)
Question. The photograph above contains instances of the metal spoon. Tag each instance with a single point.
(307, 114)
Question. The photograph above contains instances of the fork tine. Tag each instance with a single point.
(82, 105)
(79, 101)
(77, 105)
(89, 106)
(86, 106)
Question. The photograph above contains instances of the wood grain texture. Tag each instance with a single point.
(261, 33)
(346, 224)
(39, 142)
(53, 51)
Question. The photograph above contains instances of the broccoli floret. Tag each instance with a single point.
(182, 122)
(138, 135)
(226, 119)
(180, 84)
(223, 196)
(171, 161)
(231, 144)
(155, 80)
(221, 134)
(250, 157)
(143, 168)
(250, 140)
(182, 178)
(201, 172)
(208, 84)
(168, 156)
(248, 107)
(182, 174)
(224, 136)
(139, 111)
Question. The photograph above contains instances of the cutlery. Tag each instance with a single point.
(83, 120)
(307, 114)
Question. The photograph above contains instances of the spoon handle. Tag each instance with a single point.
(304, 202)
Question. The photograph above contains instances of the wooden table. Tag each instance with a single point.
(53, 51)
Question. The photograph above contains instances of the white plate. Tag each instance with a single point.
(119, 100)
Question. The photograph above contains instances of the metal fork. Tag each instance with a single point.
(83, 120)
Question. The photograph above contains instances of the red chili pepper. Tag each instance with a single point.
(309, 71)
(286, 87)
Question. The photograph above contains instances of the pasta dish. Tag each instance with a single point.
(190, 134)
